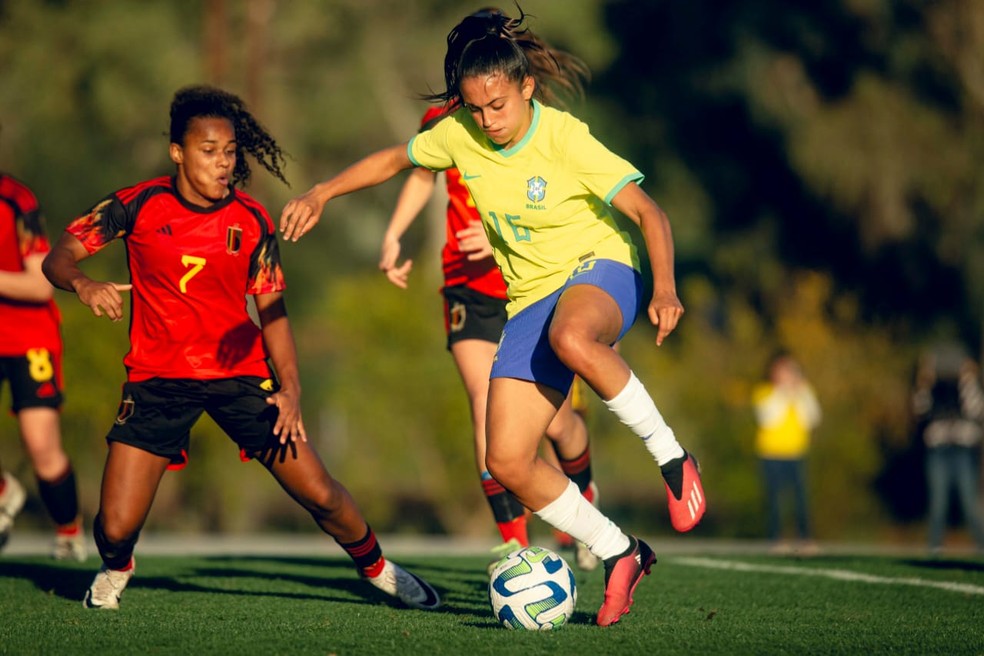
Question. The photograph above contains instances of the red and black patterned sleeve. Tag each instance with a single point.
(113, 217)
(266, 275)
(94, 228)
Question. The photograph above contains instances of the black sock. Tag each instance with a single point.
(60, 497)
(365, 553)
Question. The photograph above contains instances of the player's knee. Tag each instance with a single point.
(505, 470)
(568, 344)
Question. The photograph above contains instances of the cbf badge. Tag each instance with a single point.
(536, 189)
(234, 239)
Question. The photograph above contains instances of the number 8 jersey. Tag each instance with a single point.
(191, 268)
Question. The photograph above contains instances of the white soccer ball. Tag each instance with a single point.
(533, 589)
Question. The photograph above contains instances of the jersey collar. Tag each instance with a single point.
(534, 123)
(198, 208)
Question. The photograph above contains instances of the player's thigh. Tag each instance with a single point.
(600, 302)
(473, 358)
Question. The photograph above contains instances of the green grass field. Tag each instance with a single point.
(710, 603)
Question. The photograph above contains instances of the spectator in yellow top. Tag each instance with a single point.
(786, 410)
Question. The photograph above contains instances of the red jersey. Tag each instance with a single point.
(191, 269)
(23, 326)
(483, 275)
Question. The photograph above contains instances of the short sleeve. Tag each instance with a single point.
(106, 221)
(429, 148)
(599, 170)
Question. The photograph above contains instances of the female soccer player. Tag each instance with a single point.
(30, 360)
(475, 312)
(542, 184)
(196, 247)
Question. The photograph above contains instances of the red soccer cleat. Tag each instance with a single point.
(622, 575)
(684, 492)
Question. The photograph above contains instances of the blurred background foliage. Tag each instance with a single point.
(820, 164)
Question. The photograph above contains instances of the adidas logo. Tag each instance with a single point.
(165, 230)
(693, 503)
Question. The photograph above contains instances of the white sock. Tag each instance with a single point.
(574, 515)
(636, 409)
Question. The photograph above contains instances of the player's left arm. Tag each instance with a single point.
(279, 340)
(29, 285)
(665, 308)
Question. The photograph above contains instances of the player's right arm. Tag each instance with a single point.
(303, 213)
(416, 192)
(28, 285)
(62, 270)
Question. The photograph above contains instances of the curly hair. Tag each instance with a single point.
(488, 42)
(198, 101)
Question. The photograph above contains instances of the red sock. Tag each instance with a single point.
(128, 567)
(72, 529)
(515, 529)
(376, 568)
(562, 539)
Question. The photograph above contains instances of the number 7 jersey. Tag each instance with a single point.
(191, 268)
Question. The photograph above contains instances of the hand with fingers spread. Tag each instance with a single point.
(290, 425)
(102, 297)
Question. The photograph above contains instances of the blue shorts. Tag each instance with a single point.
(524, 349)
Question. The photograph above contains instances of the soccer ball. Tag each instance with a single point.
(532, 589)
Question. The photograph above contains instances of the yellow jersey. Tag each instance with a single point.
(545, 202)
(785, 420)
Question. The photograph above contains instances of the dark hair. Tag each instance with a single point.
(201, 101)
(488, 41)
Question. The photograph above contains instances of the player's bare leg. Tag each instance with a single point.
(586, 322)
(40, 430)
(130, 481)
(301, 473)
(473, 358)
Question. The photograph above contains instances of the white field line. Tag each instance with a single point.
(838, 574)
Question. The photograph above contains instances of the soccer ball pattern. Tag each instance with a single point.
(532, 589)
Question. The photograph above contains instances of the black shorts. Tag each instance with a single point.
(156, 415)
(35, 379)
(469, 314)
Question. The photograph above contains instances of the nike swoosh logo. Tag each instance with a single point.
(467, 177)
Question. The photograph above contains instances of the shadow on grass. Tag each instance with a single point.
(67, 581)
(464, 591)
(947, 564)
(578, 618)
(340, 584)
